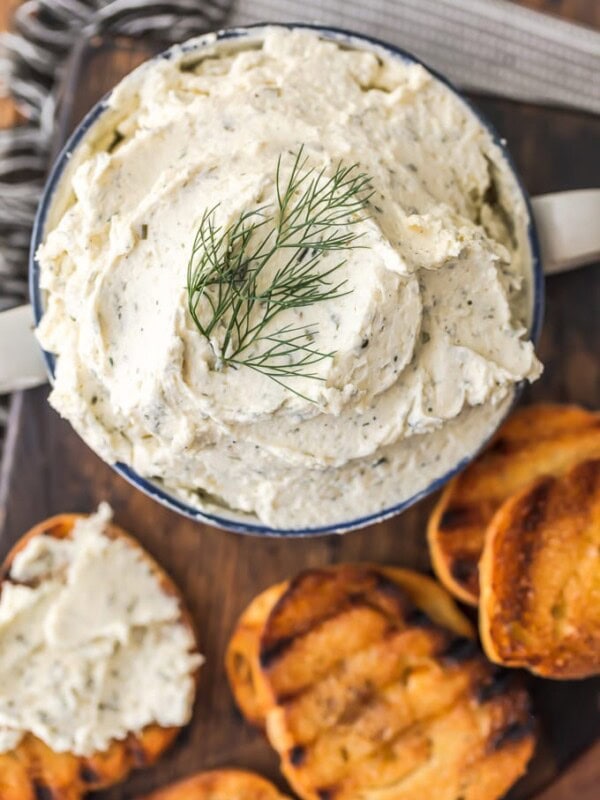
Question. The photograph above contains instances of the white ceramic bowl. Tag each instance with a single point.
(153, 488)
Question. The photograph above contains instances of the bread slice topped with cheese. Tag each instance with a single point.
(537, 440)
(540, 577)
(369, 684)
(223, 784)
(98, 659)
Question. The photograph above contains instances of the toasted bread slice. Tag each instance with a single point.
(537, 440)
(32, 770)
(540, 577)
(241, 662)
(371, 685)
(226, 784)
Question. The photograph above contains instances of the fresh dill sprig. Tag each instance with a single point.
(233, 307)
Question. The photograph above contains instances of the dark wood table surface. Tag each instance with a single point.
(47, 469)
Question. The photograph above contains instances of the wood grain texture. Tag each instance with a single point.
(47, 469)
(579, 781)
(8, 112)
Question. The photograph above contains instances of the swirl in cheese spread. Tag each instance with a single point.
(91, 646)
(429, 342)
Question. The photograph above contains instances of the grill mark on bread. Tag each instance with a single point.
(43, 792)
(502, 446)
(498, 684)
(88, 775)
(325, 793)
(534, 511)
(460, 650)
(368, 578)
(389, 588)
(464, 569)
(531, 517)
(297, 755)
(586, 477)
(417, 618)
(458, 517)
(363, 696)
(269, 655)
(513, 733)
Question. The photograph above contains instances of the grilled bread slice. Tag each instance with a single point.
(241, 662)
(32, 770)
(227, 784)
(371, 685)
(540, 577)
(537, 440)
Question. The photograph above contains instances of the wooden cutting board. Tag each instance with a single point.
(47, 469)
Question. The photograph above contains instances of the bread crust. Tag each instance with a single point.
(370, 684)
(32, 769)
(241, 658)
(226, 784)
(544, 439)
(540, 577)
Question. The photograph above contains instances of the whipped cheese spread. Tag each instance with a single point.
(91, 646)
(429, 340)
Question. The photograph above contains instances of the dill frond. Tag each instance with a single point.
(314, 215)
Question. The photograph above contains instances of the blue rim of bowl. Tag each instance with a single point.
(152, 489)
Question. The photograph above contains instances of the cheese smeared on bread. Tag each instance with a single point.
(94, 643)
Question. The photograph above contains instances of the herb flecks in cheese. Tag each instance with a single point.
(91, 646)
(429, 338)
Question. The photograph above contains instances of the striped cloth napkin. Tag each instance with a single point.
(491, 46)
